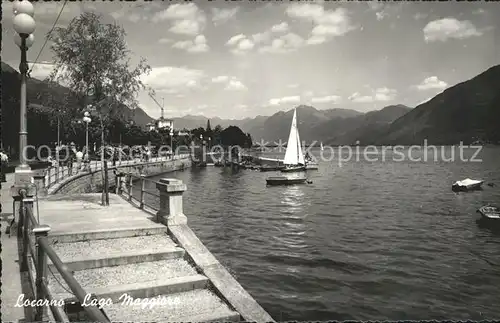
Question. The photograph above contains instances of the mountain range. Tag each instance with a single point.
(467, 112)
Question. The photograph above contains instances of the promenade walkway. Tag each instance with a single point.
(142, 266)
(11, 276)
(120, 250)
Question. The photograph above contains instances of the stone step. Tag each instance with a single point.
(76, 236)
(199, 305)
(123, 258)
(90, 254)
(147, 289)
(107, 277)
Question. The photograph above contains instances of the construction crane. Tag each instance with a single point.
(160, 105)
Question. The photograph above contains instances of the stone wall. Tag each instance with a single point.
(92, 182)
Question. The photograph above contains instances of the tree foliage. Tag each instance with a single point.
(93, 59)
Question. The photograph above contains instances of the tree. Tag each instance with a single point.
(234, 136)
(93, 59)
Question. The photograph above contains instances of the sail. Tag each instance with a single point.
(321, 145)
(300, 155)
(293, 155)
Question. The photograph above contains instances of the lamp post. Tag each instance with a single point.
(24, 25)
(171, 142)
(87, 120)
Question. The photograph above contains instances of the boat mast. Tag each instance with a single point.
(296, 133)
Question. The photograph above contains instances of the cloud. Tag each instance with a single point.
(198, 45)
(327, 99)
(173, 79)
(447, 28)
(232, 83)
(220, 16)
(284, 100)
(284, 44)
(280, 28)
(235, 39)
(240, 44)
(187, 19)
(378, 95)
(235, 85)
(384, 10)
(262, 37)
(381, 15)
(432, 83)
(246, 44)
(220, 79)
(48, 9)
(327, 23)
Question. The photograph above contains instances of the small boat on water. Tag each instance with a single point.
(294, 158)
(490, 213)
(294, 163)
(321, 146)
(286, 180)
(312, 166)
(270, 168)
(467, 185)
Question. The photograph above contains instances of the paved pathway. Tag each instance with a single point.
(11, 277)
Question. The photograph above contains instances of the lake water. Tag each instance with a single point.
(366, 240)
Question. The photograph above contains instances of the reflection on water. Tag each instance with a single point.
(293, 215)
(368, 240)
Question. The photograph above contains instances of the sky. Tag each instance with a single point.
(238, 59)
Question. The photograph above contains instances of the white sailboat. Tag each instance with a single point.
(321, 146)
(294, 158)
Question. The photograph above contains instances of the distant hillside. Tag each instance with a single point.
(270, 128)
(35, 88)
(365, 128)
(467, 112)
(277, 126)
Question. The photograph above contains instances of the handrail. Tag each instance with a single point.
(39, 255)
(57, 174)
(93, 311)
(126, 187)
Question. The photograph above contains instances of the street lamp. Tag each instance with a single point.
(87, 120)
(24, 25)
(171, 142)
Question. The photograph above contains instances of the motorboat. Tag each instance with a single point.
(490, 213)
(286, 180)
(467, 185)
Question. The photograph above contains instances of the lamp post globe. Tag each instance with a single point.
(23, 7)
(29, 40)
(86, 114)
(24, 24)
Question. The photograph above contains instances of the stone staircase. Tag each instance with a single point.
(140, 274)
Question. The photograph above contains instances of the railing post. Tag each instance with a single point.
(39, 177)
(26, 203)
(171, 208)
(118, 182)
(143, 187)
(40, 232)
(130, 183)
